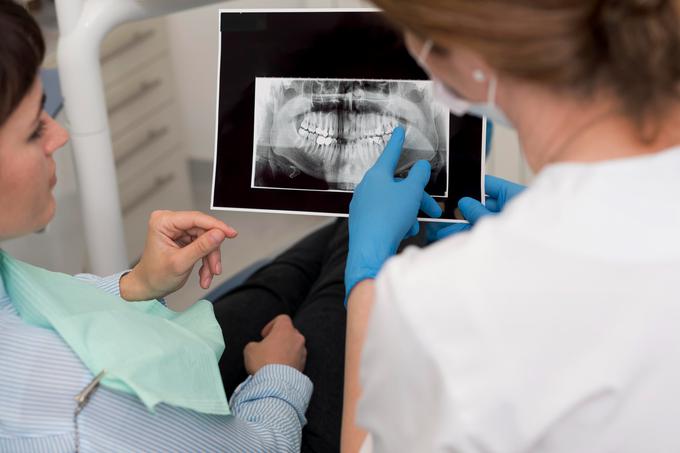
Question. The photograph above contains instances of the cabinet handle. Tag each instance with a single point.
(137, 38)
(152, 136)
(159, 183)
(145, 87)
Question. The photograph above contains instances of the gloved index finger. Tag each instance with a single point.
(493, 185)
(390, 156)
(430, 206)
(472, 209)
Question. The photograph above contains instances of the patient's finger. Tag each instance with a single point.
(207, 263)
(185, 220)
(204, 263)
(189, 255)
(196, 231)
(204, 276)
(266, 330)
(183, 240)
(215, 262)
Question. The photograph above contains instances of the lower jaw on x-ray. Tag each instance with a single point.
(331, 131)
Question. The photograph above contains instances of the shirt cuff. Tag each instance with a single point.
(277, 381)
(110, 284)
(114, 282)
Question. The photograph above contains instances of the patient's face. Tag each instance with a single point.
(28, 139)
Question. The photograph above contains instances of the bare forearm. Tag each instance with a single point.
(359, 308)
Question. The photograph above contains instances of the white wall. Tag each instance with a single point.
(193, 39)
(506, 160)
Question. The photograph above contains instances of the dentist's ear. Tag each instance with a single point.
(458, 67)
(478, 75)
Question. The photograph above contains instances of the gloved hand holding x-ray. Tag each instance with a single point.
(334, 130)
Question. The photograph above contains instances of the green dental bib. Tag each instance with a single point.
(147, 350)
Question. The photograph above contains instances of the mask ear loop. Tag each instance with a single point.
(493, 84)
(480, 77)
(424, 52)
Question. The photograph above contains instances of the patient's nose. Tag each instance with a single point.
(56, 135)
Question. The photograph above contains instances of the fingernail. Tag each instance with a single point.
(218, 268)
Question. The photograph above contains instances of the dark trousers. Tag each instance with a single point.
(305, 282)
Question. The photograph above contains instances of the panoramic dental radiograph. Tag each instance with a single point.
(324, 134)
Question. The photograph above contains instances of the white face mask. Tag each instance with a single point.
(459, 106)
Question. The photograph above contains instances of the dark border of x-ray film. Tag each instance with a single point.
(441, 128)
(245, 57)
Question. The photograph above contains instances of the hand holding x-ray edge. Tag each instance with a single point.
(498, 191)
(384, 210)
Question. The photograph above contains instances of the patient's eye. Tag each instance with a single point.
(38, 132)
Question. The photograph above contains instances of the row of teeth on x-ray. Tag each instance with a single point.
(323, 128)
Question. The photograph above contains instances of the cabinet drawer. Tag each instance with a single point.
(146, 143)
(142, 94)
(129, 47)
(162, 186)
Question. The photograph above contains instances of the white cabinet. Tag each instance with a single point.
(506, 159)
(145, 126)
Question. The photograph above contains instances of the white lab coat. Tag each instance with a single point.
(554, 327)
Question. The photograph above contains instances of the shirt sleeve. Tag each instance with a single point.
(275, 399)
(267, 416)
(110, 284)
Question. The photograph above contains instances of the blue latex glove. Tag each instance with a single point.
(499, 192)
(384, 210)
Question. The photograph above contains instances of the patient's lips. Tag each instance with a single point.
(336, 130)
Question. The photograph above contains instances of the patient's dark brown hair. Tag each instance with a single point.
(22, 50)
(629, 47)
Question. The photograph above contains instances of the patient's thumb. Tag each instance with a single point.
(201, 247)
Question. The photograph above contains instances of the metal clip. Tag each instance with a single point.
(83, 397)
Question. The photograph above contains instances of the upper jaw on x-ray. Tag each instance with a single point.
(336, 129)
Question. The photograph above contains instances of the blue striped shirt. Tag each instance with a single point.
(40, 376)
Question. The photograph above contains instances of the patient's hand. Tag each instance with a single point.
(175, 242)
(282, 344)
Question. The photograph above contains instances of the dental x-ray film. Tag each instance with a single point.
(307, 100)
(335, 129)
